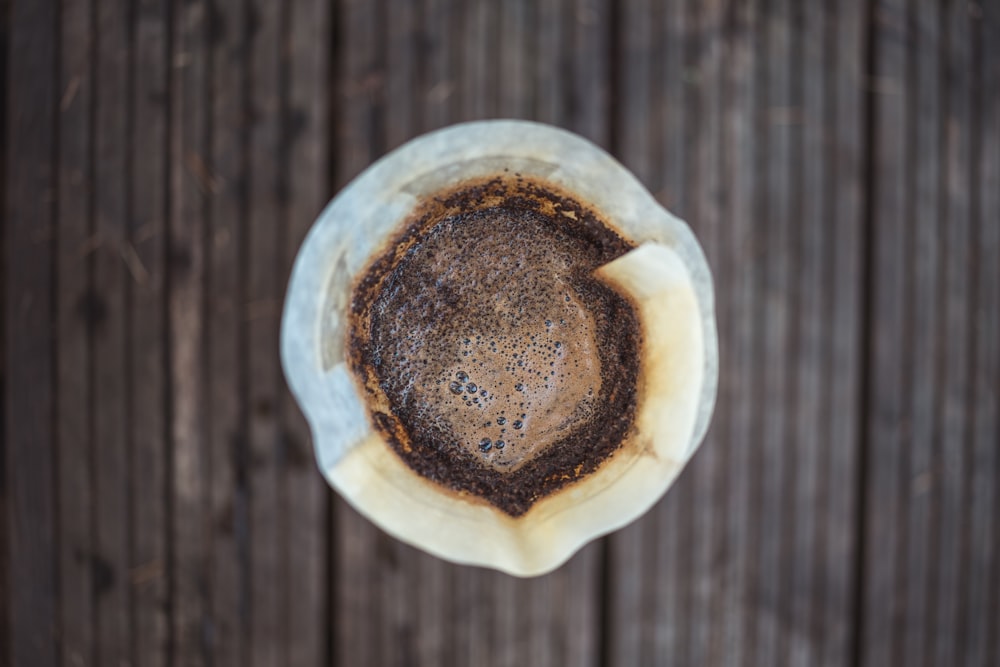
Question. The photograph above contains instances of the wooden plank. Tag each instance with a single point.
(922, 368)
(673, 81)
(590, 47)
(738, 315)
(949, 465)
(75, 321)
(110, 388)
(261, 311)
(848, 182)
(987, 423)
(887, 328)
(28, 495)
(190, 182)
(480, 76)
(515, 62)
(438, 75)
(550, 51)
(773, 465)
(402, 37)
(729, 544)
(982, 583)
(355, 607)
(229, 551)
(307, 494)
(942, 473)
(810, 437)
(980, 553)
(144, 258)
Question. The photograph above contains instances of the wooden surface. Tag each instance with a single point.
(162, 161)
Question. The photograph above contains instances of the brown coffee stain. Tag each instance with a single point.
(492, 361)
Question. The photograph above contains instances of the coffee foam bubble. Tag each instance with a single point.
(515, 359)
(491, 341)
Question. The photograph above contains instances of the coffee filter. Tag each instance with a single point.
(666, 277)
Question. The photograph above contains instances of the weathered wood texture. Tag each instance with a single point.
(164, 180)
(931, 563)
(163, 161)
(741, 120)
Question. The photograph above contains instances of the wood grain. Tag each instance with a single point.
(741, 573)
(885, 409)
(931, 296)
(850, 190)
(738, 315)
(144, 259)
(261, 314)
(982, 538)
(163, 162)
(956, 294)
(110, 337)
(228, 606)
(76, 320)
(29, 391)
(190, 183)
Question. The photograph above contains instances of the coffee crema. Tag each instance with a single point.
(492, 360)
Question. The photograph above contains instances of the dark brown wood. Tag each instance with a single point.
(949, 466)
(738, 318)
(743, 101)
(261, 312)
(228, 504)
(550, 48)
(29, 395)
(110, 385)
(480, 79)
(515, 62)
(931, 290)
(813, 83)
(75, 322)
(144, 259)
(438, 54)
(590, 98)
(402, 37)
(190, 183)
(165, 160)
(849, 190)
(306, 499)
(775, 461)
(981, 545)
(883, 494)
(923, 249)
